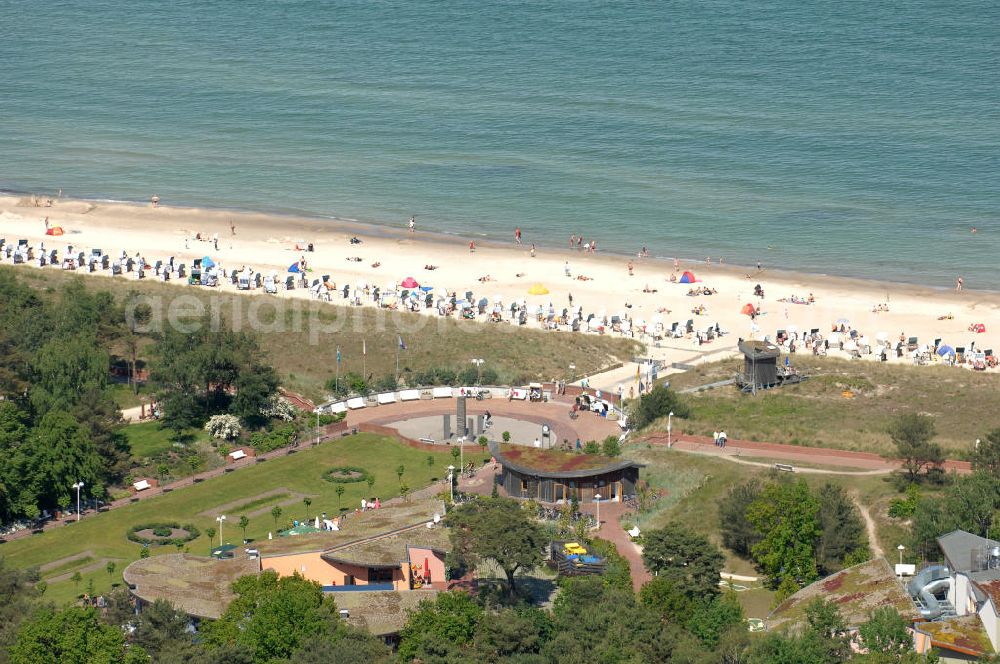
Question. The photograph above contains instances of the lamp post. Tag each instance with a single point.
(78, 486)
(597, 499)
(479, 366)
(670, 425)
(901, 549)
(451, 482)
(221, 519)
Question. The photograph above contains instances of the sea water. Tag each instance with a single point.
(852, 138)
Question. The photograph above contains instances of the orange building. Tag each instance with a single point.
(393, 548)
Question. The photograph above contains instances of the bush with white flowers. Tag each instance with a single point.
(278, 408)
(224, 427)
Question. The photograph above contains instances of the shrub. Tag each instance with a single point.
(162, 540)
(224, 427)
(280, 436)
(346, 475)
(658, 403)
(277, 408)
(591, 447)
(903, 508)
(611, 446)
(326, 418)
(506, 436)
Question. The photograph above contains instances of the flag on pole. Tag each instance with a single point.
(364, 348)
(338, 354)
(401, 344)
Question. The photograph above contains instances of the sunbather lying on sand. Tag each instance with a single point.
(583, 277)
(376, 264)
(430, 267)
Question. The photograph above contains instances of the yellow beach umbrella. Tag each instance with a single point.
(538, 289)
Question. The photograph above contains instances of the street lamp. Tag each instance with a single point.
(901, 549)
(670, 424)
(451, 481)
(221, 518)
(78, 486)
(479, 365)
(597, 499)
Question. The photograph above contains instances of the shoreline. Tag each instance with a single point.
(385, 230)
(599, 283)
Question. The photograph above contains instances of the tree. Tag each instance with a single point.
(55, 456)
(66, 368)
(611, 447)
(243, 524)
(161, 629)
(210, 533)
(830, 628)
(101, 419)
(13, 430)
(711, 617)
(430, 465)
(400, 469)
(738, 534)
(73, 635)
(510, 633)
(404, 491)
(886, 632)
(19, 590)
(986, 455)
(593, 622)
(451, 619)
(913, 436)
(786, 517)
(657, 403)
(496, 529)
(110, 568)
(370, 480)
(842, 530)
(276, 514)
(307, 501)
(273, 616)
(686, 558)
(340, 494)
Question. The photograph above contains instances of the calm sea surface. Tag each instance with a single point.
(857, 138)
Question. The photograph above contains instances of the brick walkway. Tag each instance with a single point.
(791, 453)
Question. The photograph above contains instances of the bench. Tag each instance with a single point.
(784, 467)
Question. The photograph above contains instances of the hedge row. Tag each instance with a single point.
(133, 533)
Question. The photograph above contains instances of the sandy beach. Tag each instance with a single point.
(268, 242)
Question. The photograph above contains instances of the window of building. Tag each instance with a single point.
(381, 575)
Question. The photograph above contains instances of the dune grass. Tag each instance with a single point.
(104, 534)
(816, 413)
(301, 336)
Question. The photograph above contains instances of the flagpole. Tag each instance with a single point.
(364, 359)
(338, 369)
(397, 364)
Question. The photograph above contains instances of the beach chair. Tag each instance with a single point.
(689, 328)
(290, 283)
(912, 344)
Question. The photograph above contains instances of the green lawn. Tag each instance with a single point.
(147, 439)
(104, 535)
(125, 397)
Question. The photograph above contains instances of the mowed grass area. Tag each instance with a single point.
(147, 439)
(103, 536)
(816, 413)
(301, 336)
(696, 484)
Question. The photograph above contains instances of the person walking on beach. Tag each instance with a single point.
(579, 243)
(215, 241)
(959, 283)
(566, 269)
(155, 200)
(472, 247)
(413, 224)
(630, 269)
(532, 249)
(517, 235)
(572, 241)
(46, 223)
(232, 227)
